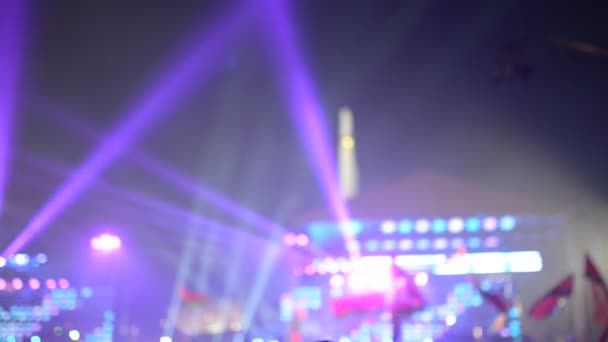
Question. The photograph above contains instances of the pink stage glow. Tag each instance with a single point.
(17, 284)
(106, 242)
(34, 284)
(64, 283)
(51, 284)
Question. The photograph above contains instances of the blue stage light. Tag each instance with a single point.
(35, 339)
(474, 242)
(507, 223)
(389, 245)
(472, 224)
(423, 244)
(372, 245)
(405, 227)
(439, 226)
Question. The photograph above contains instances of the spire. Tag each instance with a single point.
(347, 160)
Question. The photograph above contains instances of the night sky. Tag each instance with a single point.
(416, 74)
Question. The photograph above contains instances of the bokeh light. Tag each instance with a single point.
(302, 240)
(63, 283)
(456, 225)
(421, 279)
(17, 284)
(51, 284)
(35, 338)
(289, 239)
(388, 227)
(2, 262)
(74, 335)
(166, 339)
(34, 283)
(450, 320)
(336, 281)
(422, 226)
(3, 284)
(106, 242)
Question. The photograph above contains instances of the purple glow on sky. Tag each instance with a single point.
(304, 107)
(12, 27)
(141, 116)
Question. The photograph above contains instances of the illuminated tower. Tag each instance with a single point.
(347, 160)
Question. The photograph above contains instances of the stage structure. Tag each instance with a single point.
(447, 234)
(37, 309)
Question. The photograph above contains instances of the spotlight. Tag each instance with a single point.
(421, 279)
(422, 226)
(302, 240)
(51, 284)
(490, 223)
(74, 335)
(405, 227)
(438, 226)
(336, 281)
(472, 224)
(17, 284)
(42, 258)
(2, 262)
(21, 259)
(63, 283)
(507, 223)
(34, 283)
(166, 339)
(456, 225)
(388, 227)
(106, 242)
(450, 320)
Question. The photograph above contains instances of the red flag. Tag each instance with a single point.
(593, 274)
(498, 301)
(546, 305)
(191, 297)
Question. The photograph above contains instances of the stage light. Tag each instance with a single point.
(507, 223)
(51, 284)
(389, 245)
(491, 242)
(21, 259)
(74, 335)
(423, 244)
(17, 284)
(372, 245)
(106, 242)
(472, 224)
(438, 226)
(406, 244)
(456, 225)
(302, 240)
(332, 266)
(344, 339)
(490, 224)
(405, 227)
(166, 339)
(2, 262)
(346, 267)
(41, 258)
(34, 283)
(86, 292)
(457, 243)
(474, 242)
(257, 340)
(421, 279)
(422, 226)
(388, 227)
(356, 282)
(336, 281)
(63, 283)
(35, 339)
(440, 243)
(3, 284)
(450, 320)
(309, 269)
(477, 333)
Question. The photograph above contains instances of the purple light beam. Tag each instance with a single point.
(155, 104)
(12, 33)
(305, 110)
(78, 126)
